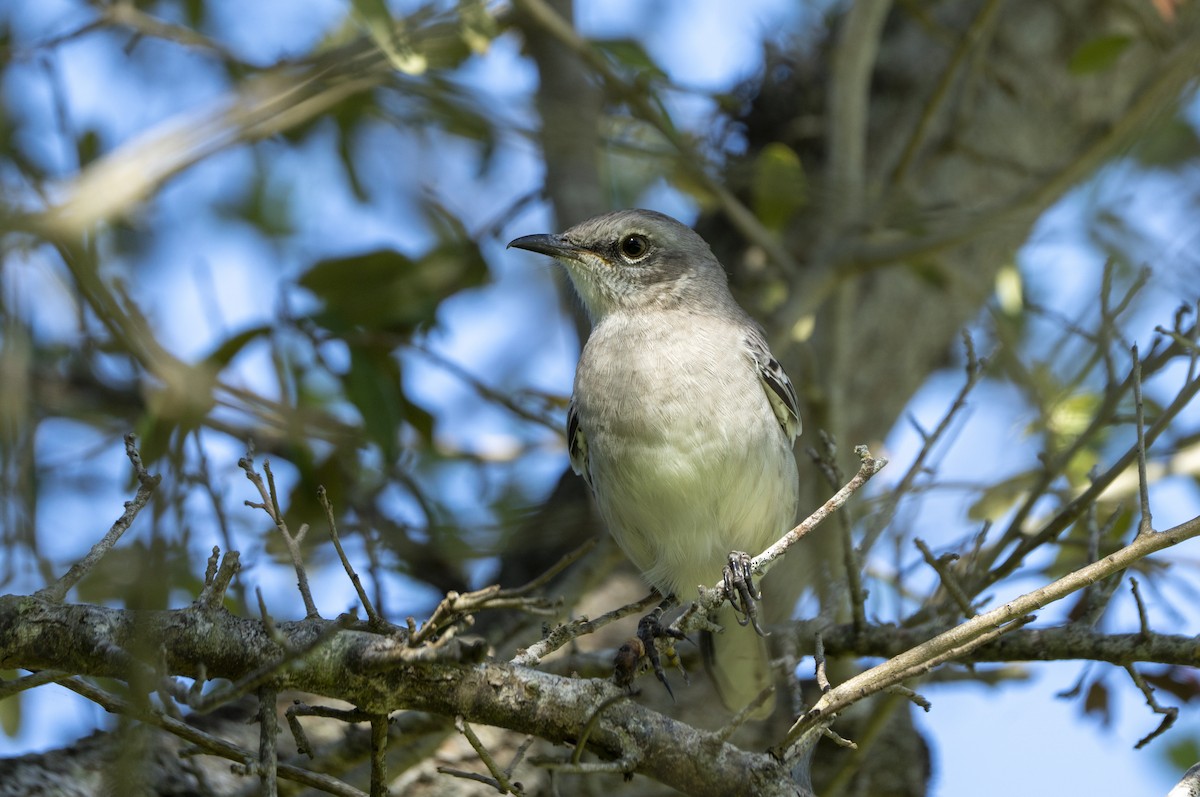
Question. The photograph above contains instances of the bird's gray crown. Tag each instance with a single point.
(636, 259)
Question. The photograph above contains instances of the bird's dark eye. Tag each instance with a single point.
(634, 246)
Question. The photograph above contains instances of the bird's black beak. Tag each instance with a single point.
(552, 245)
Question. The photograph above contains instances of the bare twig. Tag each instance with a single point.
(500, 779)
(16, 686)
(373, 617)
(1170, 713)
(146, 484)
(206, 741)
(1143, 619)
(303, 746)
(458, 605)
(975, 368)
(820, 667)
(985, 627)
(268, 735)
(218, 578)
(949, 580)
(1146, 524)
(379, 745)
(566, 632)
(1067, 514)
(270, 505)
(826, 461)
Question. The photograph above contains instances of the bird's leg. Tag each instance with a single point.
(650, 630)
(740, 590)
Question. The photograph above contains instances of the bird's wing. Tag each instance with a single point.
(577, 446)
(775, 383)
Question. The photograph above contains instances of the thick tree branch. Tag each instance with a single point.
(36, 634)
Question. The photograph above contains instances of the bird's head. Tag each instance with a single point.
(632, 259)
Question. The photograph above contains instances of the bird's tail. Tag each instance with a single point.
(738, 662)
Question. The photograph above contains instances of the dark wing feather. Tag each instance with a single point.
(577, 446)
(776, 384)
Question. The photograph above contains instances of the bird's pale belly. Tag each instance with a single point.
(679, 500)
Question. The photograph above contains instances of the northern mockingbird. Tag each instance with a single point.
(681, 421)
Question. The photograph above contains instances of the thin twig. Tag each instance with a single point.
(268, 735)
(975, 369)
(270, 505)
(457, 605)
(217, 579)
(978, 630)
(205, 741)
(1169, 713)
(500, 779)
(146, 483)
(1146, 524)
(949, 580)
(373, 617)
(566, 632)
(1143, 618)
(16, 686)
(826, 462)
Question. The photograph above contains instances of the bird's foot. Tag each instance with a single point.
(741, 592)
(650, 631)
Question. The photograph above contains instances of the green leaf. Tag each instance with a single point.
(224, 353)
(386, 290)
(630, 54)
(1098, 54)
(373, 385)
(780, 187)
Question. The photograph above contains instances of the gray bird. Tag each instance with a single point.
(681, 421)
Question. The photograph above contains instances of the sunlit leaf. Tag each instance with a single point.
(780, 187)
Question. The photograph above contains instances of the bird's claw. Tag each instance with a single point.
(741, 592)
(650, 630)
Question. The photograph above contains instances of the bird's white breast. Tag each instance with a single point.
(685, 454)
